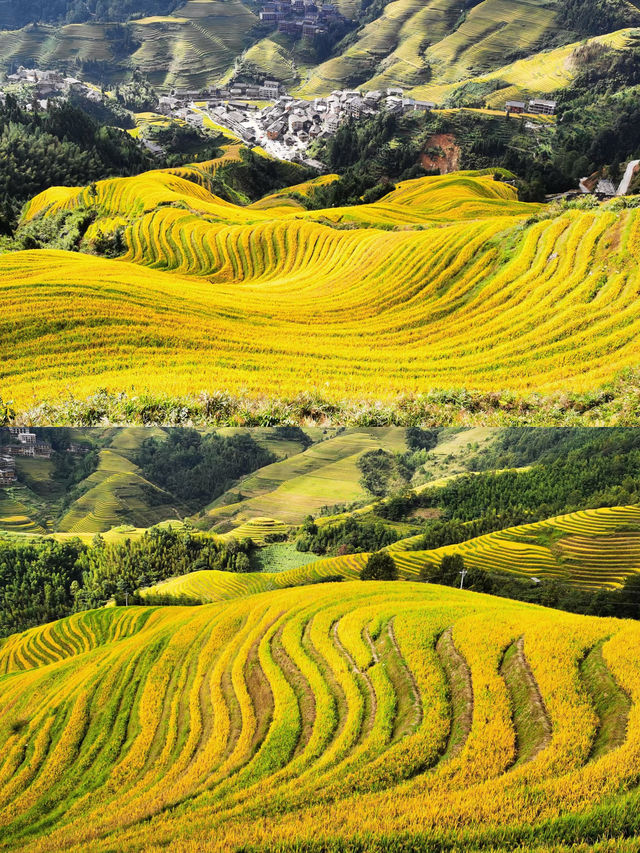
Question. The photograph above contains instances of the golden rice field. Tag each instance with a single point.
(592, 548)
(257, 529)
(365, 716)
(211, 585)
(212, 295)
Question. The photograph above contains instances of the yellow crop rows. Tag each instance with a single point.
(592, 548)
(342, 711)
(246, 299)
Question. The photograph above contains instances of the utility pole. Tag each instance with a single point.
(463, 575)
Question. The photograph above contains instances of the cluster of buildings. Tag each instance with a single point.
(26, 443)
(7, 469)
(300, 18)
(215, 96)
(43, 86)
(307, 120)
(536, 106)
(288, 125)
(23, 443)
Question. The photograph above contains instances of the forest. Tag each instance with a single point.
(41, 581)
(15, 15)
(198, 468)
(63, 146)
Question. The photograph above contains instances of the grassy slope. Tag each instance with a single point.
(428, 265)
(297, 715)
(590, 548)
(426, 47)
(116, 494)
(324, 474)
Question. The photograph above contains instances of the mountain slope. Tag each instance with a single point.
(291, 300)
(394, 713)
(410, 43)
(591, 549)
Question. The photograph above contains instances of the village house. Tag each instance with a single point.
(7, 470)
(515, 106)
(536, 105)
(409, 105)
(23, 435)
(270, 90)
(275, 130)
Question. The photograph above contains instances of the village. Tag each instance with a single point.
(34, 88)
(23, 442)
(301, 18)
(261, 114)
(286, 126)
(264, 114)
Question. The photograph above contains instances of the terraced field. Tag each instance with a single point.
(290, 300)
(323, 475)
(258, 529)
(117, 493)
(592, 549)
(209, 585)
(15, 515)
(194, 46)
(430, 49)
(382, 715)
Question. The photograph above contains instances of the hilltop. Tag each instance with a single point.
(268, 297)
(346, 716)
(202, 42)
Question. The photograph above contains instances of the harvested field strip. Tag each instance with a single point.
(530, 717)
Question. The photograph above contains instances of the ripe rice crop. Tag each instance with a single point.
(591, 549)
(378, 714)
(257, 529)
(245, 300)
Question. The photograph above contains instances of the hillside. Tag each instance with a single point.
(383, 715)
(324, 474)
(591, 549)
(401, 43)
(418, 272)
(311, 469)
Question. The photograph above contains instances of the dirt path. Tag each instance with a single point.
(371, 700)
(300, 686)
(609, 700)
(416, 699)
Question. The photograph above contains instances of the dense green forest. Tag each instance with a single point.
(63, 146)
(198, 468)
(14, 15)
(46, 580)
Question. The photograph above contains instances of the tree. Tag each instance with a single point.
(447, 573)
(242, 563)
(379, 567)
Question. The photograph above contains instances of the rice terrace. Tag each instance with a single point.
(270, 301)
(442, 657)
(319, 426)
